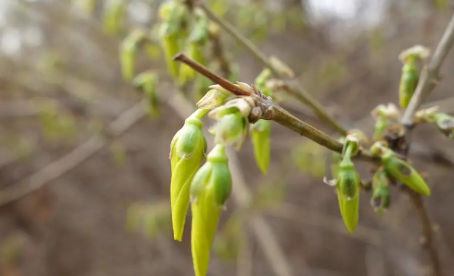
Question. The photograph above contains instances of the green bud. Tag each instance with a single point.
(170, 46)
(381, 126)
(186, 153)
(402, 171)
(147, 82)
(408, 82)
(209, 191)
(128, 52)
(381, 195)
(445, 124)
(260, 82)
(351, 146)
(215, 97)
(113, 16)
(348, 193)
(231, 129)
(260, 136)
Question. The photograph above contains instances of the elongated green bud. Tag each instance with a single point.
(408, 82)
(410, 76)
(400, 170)
(128, 52)
(348, 192)
(381, 195)
(147, 82)
(113, 16)
(261, 136)
(186, 153)
(445, 124)
(210, 189)
(170, 46)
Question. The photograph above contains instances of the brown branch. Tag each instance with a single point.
(278, 114)
(298, 90)
(73, 159)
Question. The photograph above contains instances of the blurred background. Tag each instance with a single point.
(84, 169)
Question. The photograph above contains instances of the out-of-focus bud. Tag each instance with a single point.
(261, 82)
(113, 16)
(400, 169)
(171, 33)
(381, 195)
(210, 189)
(233, 124)
(128, 52)
(385, 116)
(426, 115)
(146, 81)
(261, 136)
(187, 150)
(215, 97)
(410, 75)
(445, 124)
(351, 146)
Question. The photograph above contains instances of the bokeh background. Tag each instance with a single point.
(84, 171)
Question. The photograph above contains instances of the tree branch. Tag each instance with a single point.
(298, 91)
(278, 114)
(429, 78)
(73, 159)
(430, 75)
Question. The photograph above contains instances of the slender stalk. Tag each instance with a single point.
(278, 114)
(298, 91)
(429, 78)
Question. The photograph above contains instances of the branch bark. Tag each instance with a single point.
(299, 91)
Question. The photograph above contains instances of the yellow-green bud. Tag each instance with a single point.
(260, 136)
(215, 97)
(146, 81)
(381, 195)
(210, 189)
(445, 124)
(187, 150)
(400, 170)
(348, 193)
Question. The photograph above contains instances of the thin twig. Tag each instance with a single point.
(298, 90)
(429, 78)
(278, 114)
(430, 74)
(73, 159)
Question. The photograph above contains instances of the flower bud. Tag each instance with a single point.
(147, 82)
(381, 126)
(231, 129)
(351, 146)
(187, 150)
(113, 16)
(348, 193)
(210, 189)
(128, 52)
(445, 124)
(381, 195)
(260, 136)
(408, 82)
(401, 170)
(261, 81)
(215, 97)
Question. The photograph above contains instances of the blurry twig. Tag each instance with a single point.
(303, 216)
(305, 97)
(73, 159)
(430, 74)
(242, 196)
(429, 78)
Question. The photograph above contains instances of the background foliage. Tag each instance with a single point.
(60, 84)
